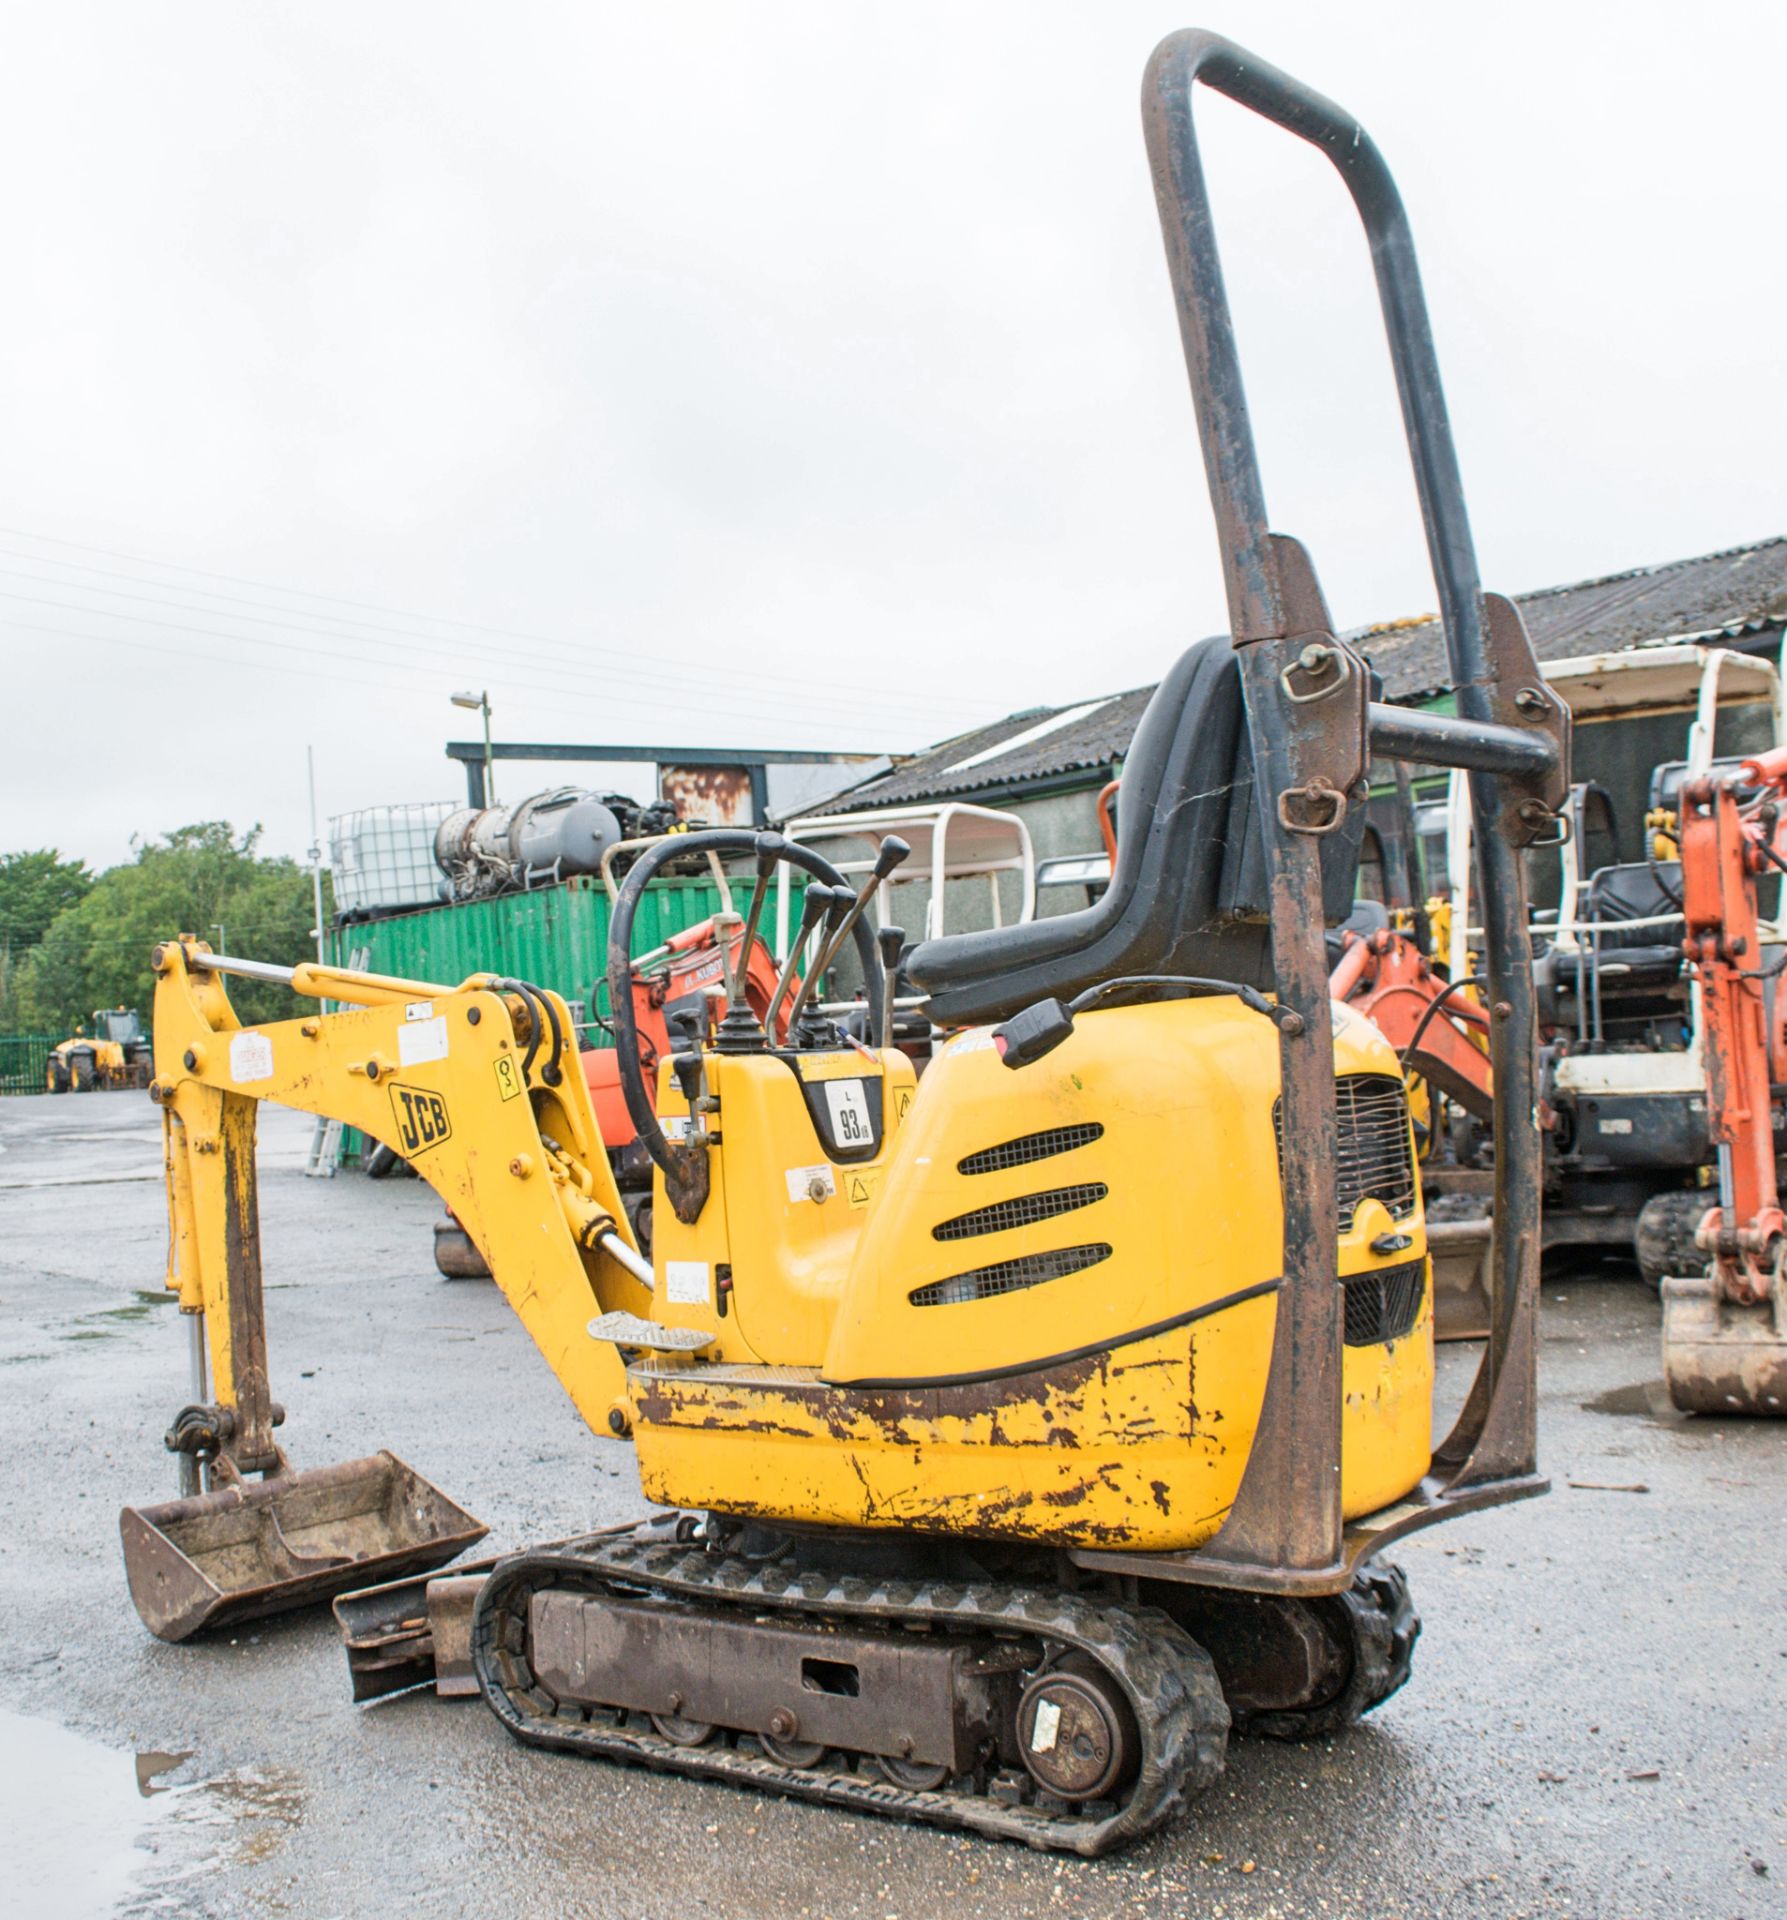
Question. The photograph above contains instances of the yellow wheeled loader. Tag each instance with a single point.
(116, 1053)
(1021, 1430)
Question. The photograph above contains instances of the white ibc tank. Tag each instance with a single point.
(383, 857)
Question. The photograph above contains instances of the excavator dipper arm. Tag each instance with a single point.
(477, 1086)
(1725, 1330)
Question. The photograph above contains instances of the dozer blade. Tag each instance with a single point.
(1461, 1252)
(1722, 1358)
(414, 1632)
(417, 1632)
(289, 1541)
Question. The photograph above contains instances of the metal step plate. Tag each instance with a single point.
(628, 1330)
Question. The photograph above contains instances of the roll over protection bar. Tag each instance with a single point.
(1313, 730)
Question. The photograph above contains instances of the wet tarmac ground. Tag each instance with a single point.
(1597, 1723)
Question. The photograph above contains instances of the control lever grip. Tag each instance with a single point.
(840, 912)
(815, 904)
(891, 941)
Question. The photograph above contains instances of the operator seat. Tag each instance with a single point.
(1188, 893)
(1639, 890)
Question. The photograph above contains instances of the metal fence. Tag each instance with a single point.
(24, 1061)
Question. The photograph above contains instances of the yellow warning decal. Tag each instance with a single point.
(902, 1102)
(813, 1067)
(508, 1076)
(861, 1188)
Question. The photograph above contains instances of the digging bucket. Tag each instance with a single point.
(292, 1540)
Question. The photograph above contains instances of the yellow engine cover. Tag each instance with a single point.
(1049, 1314)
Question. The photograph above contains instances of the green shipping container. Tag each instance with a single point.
(551, 937)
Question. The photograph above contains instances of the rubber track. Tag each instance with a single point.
(1171, 1685)
(1383, 1626)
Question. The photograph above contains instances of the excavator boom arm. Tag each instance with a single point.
(454, 1079)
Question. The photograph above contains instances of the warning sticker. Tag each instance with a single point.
(979, 1040)
(508, 1076)
(861, 1188)
(420, 1041)
(902, 1102)
(418, 1010)
(251, 1056)
(811, 1183)
(685, 1283)
(1047, 1729)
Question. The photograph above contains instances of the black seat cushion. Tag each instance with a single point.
(1188, 894)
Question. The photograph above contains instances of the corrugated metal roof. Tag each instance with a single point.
(1014, 751)
(1742, 590)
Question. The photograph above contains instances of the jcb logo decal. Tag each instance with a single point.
(421, 1119)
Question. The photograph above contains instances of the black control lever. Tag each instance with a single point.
(837, 911)
(769, 848)
(815, 904)
(891, 941)
(893, 851)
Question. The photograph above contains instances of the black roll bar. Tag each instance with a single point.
(1313, 730)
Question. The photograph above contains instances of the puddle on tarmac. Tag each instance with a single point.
(151, 1766)
(85, 1820)
(76, 1817)
(1644, 1400)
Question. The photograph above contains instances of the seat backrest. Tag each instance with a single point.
(1640, 890)
(1188, 892)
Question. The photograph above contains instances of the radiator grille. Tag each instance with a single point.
(1031, 1146)
(1383, 1305)
(1373, 1157)
(1025, 1211)
(1009, 1276)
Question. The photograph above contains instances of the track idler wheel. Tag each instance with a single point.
(1076, 1732)
(1378, 1621)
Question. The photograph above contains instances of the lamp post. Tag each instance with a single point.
(480, 703)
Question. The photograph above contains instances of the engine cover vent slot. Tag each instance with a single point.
(1383, 1305)
(1025, 1211)
(1009, 1276)
(1031, 1146)
(1374, 1157)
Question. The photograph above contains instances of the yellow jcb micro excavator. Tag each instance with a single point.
(1021, 1430)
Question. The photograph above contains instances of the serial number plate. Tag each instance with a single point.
(849, 1113)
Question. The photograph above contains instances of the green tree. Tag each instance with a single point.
(34, 888)
(193, 880)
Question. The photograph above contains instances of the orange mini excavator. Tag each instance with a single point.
(1725, 1329)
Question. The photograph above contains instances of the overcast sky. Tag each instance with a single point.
(781, 375)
